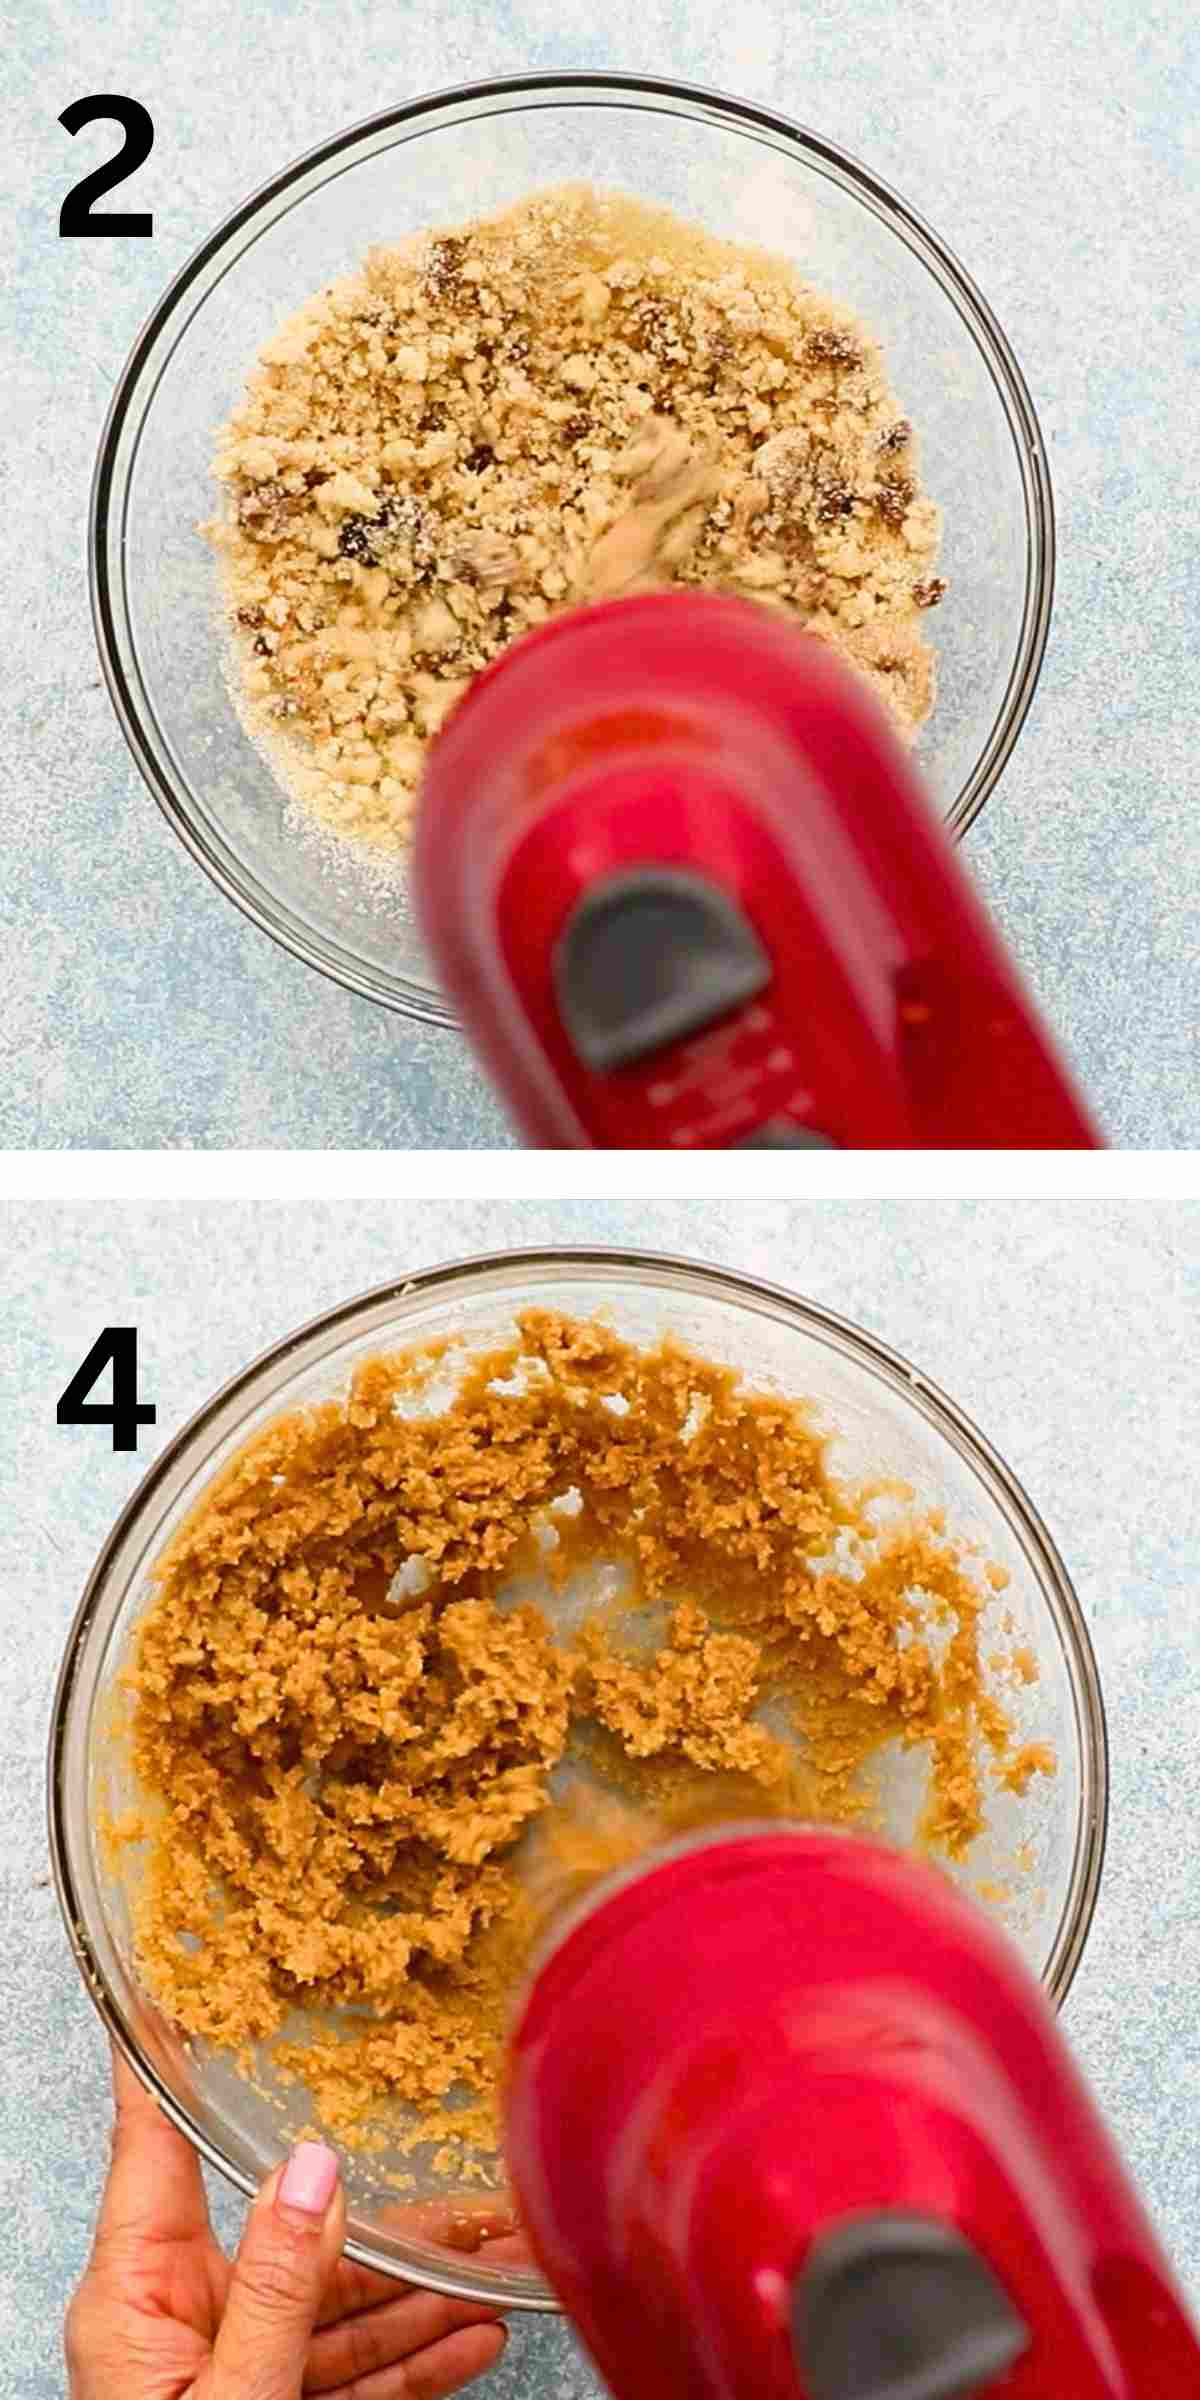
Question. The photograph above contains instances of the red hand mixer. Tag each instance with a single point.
(683, 884)
(789, 2120)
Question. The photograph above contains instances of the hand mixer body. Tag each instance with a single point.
(787, 2118)
(682, 882)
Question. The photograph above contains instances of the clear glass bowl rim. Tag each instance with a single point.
(497, 1270)
(111, 480)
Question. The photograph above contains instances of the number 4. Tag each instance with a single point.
(116, 1347)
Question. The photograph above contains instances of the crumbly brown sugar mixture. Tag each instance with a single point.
(482, 427)
(344, 1726)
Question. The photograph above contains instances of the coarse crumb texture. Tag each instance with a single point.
(344, 1725)
(581, 397)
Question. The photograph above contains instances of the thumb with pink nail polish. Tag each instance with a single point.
(161, 2310)
(292, 2239)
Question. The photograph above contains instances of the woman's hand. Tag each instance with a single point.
(161, 2314)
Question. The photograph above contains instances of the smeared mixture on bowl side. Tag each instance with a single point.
(580, 398)
(343, 1736)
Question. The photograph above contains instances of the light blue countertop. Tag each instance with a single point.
(1054, 151)
(1066, 1331)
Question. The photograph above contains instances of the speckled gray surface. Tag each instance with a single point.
(1055, 157)
(1067, 1331)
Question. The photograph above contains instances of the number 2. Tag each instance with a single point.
(116, 1347)
(75, 214)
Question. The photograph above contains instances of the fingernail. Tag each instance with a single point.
(309, 2179)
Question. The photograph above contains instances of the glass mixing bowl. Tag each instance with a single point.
(886, 1421)
(742, 172)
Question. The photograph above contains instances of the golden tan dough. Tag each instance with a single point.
(343, 1733)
